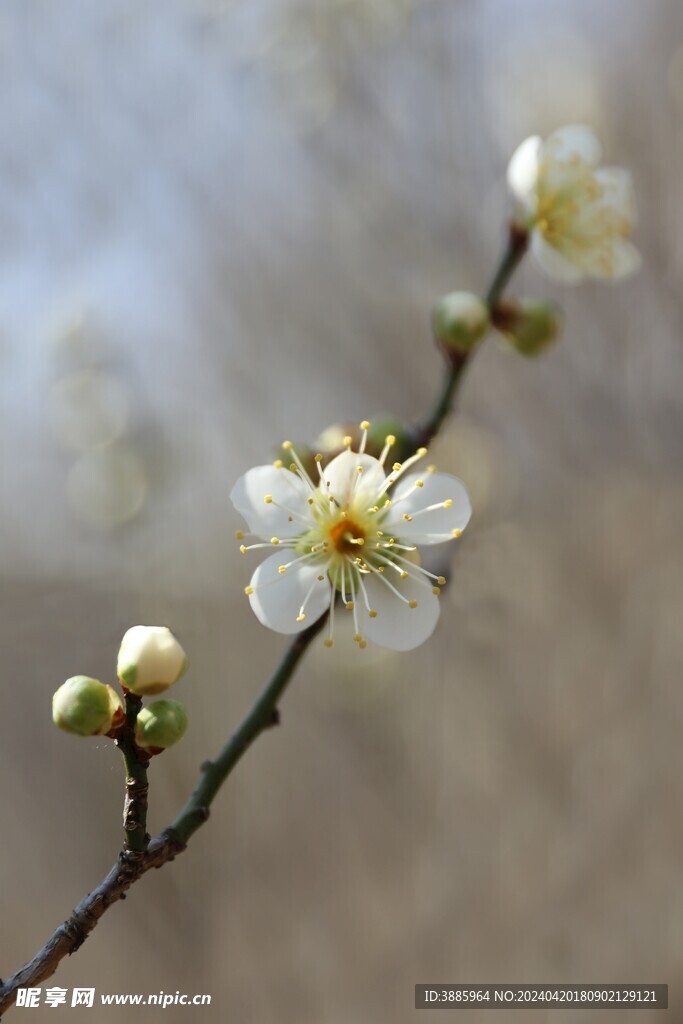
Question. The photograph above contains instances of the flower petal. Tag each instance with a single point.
(618, 191)
(553, 262)
(616, 260)
(572, 141)
(396, 625)
(436, 525)
(286, 488)
(523, 169)
(343, 478)
(277, 604)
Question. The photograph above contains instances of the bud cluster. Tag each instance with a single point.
(150, 660)
(461, 320)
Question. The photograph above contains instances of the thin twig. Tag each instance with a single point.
(424, 432)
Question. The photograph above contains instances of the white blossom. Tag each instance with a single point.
(351, 534)
(580, 214)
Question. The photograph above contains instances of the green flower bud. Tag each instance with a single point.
(382, 427)
(86, 707)
(459, 321)
(529, 326)
(159, 725)
(150, 660)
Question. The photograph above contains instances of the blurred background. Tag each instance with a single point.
(223, 224)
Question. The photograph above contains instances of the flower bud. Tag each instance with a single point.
(459, 321)
(159, 725)
(86, 707)
(530, 326)
(150, 660)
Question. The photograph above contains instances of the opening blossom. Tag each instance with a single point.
(352, 534)
(580, 214)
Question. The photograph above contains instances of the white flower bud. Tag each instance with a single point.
(150, 660)
(459, 321)
(86, 707)
(159, 725)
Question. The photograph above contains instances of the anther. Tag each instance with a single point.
(390, 439)
(243, 549)
(412, 604)
(457, 533)
(281, 569)
(239, 534)
(396, 467)
(268, 498)
(436, 590)
(278, 463)
(348, 441)
(372, 613)
(248, 591)
(365, 425)
(448, 502)
(274, 540)
(329, 643)
(287, 445)
(408, 518)
(300, 618)
(441, 580)
(349, 606)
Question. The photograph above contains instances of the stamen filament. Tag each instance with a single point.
(391, 479)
